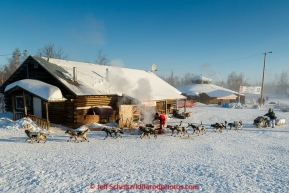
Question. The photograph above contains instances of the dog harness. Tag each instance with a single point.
(31, 134)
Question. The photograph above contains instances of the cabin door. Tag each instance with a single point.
(37, 107)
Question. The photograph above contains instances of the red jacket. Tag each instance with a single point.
(162, 119)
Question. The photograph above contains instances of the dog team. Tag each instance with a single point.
(115, 132)
(74, 134)
(147, 130)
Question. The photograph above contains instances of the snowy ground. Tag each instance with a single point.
(248, 160)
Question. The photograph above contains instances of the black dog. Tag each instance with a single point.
(112, 130)
(197, 128)
(236, 124)
(219, 126)
(148, 131)
(179, 129)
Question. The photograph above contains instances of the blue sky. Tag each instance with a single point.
(212, 38)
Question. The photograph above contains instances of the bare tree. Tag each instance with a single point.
(282, 83)
(13, 63)
(50, 51)
(234, 81)
(177, 81)
(2, 76)
(187, 79)
(221, 83)
(174, 81)
(170, 79)
(101, 58)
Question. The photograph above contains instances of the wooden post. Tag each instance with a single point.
(13, 106)
(185, 107)
(47, 116)
(24, 103)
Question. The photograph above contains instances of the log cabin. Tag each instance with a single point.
(74, 93)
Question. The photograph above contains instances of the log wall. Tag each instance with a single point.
(81, 105)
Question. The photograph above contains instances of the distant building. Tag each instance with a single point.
(202, 90)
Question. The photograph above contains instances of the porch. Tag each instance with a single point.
(44, 123)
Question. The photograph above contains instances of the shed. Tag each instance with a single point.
(205, 92)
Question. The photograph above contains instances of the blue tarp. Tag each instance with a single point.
(235, 105)
(226, 105)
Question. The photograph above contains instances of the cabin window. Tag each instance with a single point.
(19, 102)
(35, 65)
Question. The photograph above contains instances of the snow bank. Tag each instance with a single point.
(248, 160)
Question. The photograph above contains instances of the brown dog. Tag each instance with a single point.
(179, 129)
(75, 135)
(35, 135)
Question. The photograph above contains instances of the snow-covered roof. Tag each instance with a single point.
(220, 93)
(201, 78)
(94, 79)
(43, 90)
(210, 89)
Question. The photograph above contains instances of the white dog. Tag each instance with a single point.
(280, 122)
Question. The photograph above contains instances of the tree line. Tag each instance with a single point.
(234, 80)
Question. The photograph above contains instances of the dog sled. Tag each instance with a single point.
(156, 125)
(178, 115)
(261, 121)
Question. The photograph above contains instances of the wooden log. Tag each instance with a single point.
(86, 119)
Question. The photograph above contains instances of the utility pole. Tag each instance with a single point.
(262, 88)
